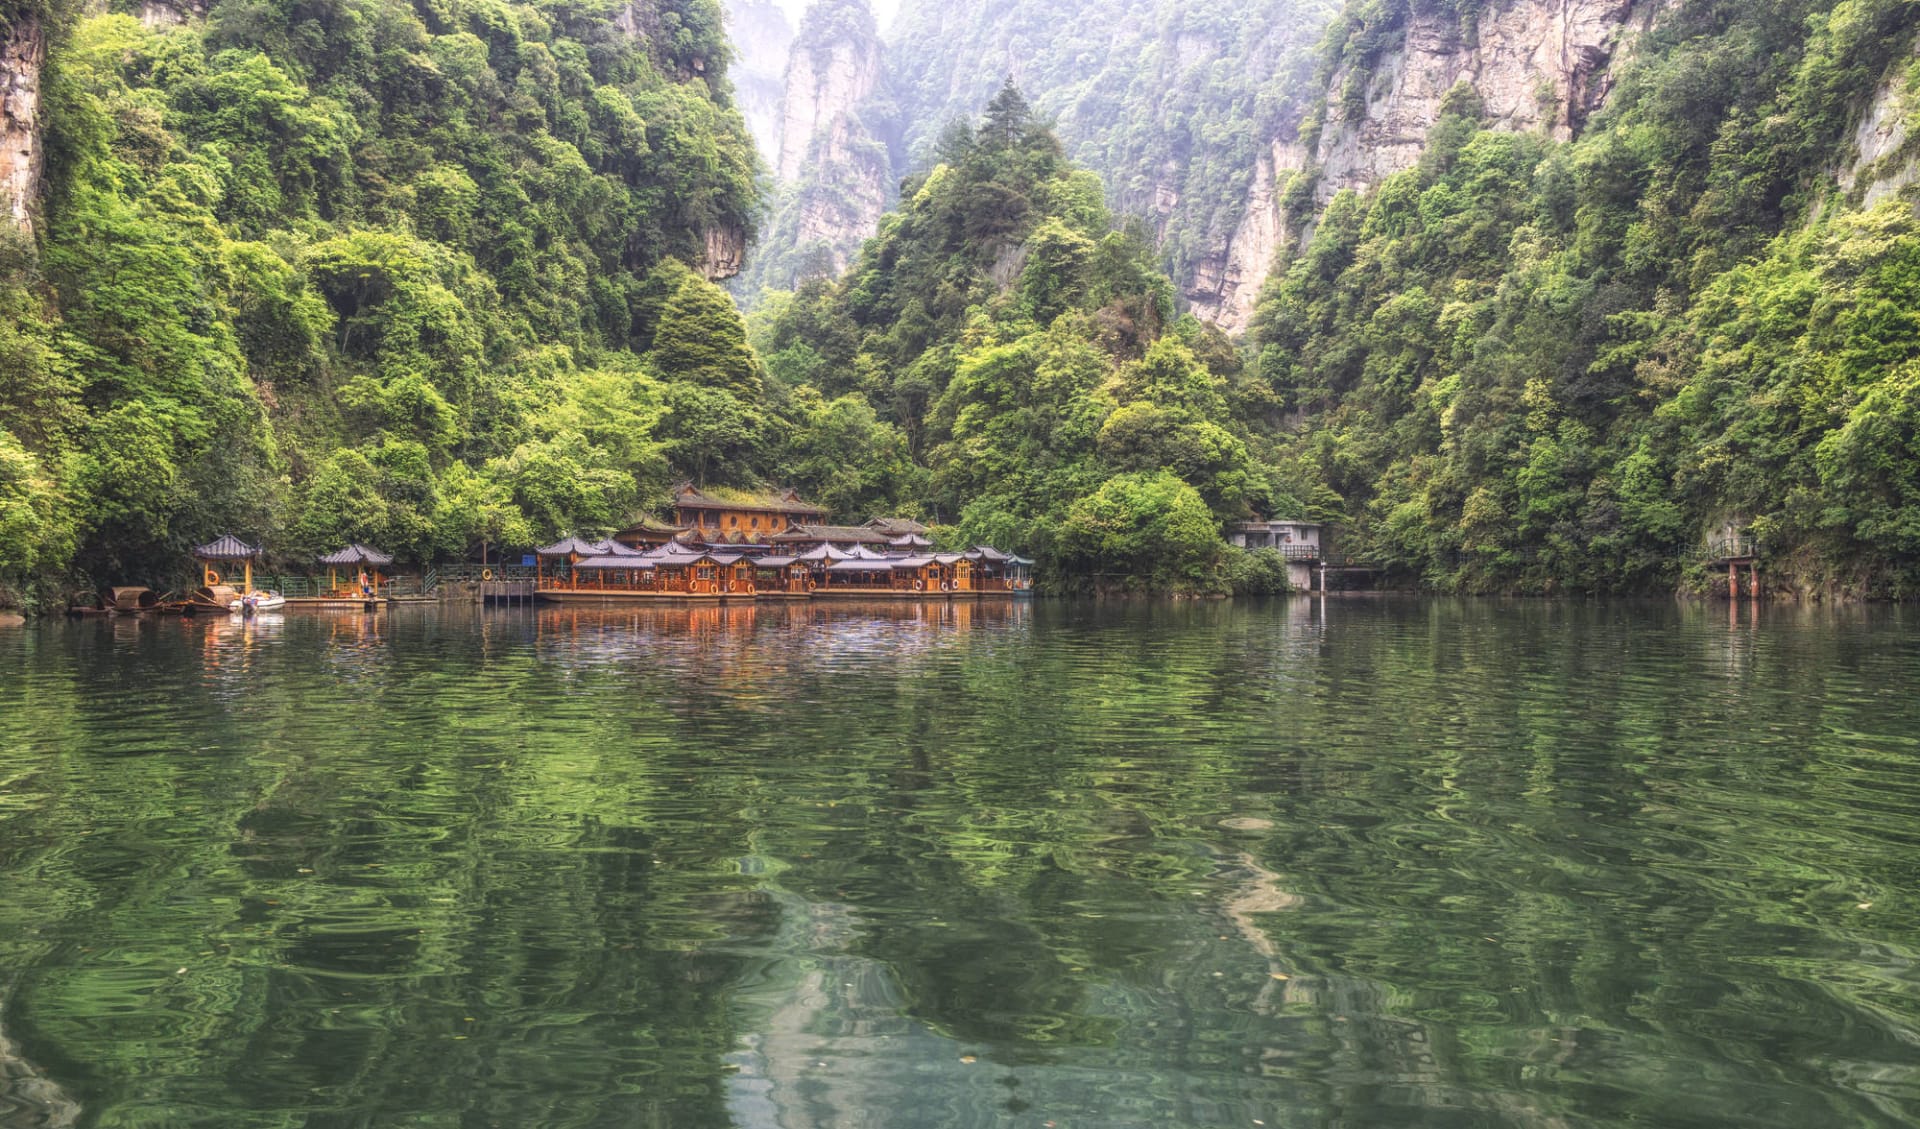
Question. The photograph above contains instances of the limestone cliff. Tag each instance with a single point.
(1538, 65)
(23, 55)
(158, 14)
(836, 161)
(833, 69)
(725, 254)
(762, 38)
(1884, 161)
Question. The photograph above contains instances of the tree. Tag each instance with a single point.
(702, 340)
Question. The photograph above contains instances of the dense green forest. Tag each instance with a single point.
(1028, 357)
(392, 279)
(1547, 367)
(428, 274)
(411, 274)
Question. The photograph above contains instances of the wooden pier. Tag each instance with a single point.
(1735, 553)
(506, 593)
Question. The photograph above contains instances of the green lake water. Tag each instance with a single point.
(1320, 864)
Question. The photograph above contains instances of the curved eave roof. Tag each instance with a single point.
(357, 554)
(227, 548)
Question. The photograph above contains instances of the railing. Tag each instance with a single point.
(1289, 552)
(470, 573)
(1731, 548)
(298, 587)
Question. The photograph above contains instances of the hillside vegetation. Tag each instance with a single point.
(360, 269)
(1028, 357)
(434, 273)
(1546, 367)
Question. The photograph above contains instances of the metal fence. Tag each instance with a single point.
(1731, 548)
(298, 587)
(473, 573)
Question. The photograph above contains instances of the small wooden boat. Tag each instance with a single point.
(87, 604)
(211, 598)
(128, 599)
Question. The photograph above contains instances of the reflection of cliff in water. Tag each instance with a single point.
(1205, 1026)
(29, 1099)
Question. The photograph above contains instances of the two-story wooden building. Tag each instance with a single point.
(721, 516)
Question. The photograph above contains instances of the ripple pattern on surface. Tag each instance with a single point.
(1312, 863)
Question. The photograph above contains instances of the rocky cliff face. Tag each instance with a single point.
(1538, 65)
(1225, 286)
(828, 78)
(836, 157)
(159, 14)
(23, 56)
(842, 204)
(1885, 161)
(763, 37)
(726, 252)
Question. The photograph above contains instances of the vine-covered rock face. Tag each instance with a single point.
(1537, 65)
(23, 56)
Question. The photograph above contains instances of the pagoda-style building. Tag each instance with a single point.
(722, 516)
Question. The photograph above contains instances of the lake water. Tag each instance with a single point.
(1319, 864)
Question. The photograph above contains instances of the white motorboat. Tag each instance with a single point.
(254, 602)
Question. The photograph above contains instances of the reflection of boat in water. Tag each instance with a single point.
(254, 603)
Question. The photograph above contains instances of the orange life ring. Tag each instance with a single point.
(213, 578)
(486, 574)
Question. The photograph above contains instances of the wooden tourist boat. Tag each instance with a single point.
(625, 576)
(211, 598)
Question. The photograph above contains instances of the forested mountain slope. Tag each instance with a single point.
(1525, 362)
(1029, 357)
(355, 269)
(1174, 105)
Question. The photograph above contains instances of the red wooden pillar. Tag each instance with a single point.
(1753, 579)
(1733, 581)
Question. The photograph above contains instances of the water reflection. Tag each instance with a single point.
(1312, 863)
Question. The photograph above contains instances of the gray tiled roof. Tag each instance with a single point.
(569, 547)
(357, 554)
(227, 548)
(855, 534)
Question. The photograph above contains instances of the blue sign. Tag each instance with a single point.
(527, 561)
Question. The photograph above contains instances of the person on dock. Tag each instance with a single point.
(366, 586)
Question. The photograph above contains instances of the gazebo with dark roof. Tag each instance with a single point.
(356, 555)
(226, 548)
